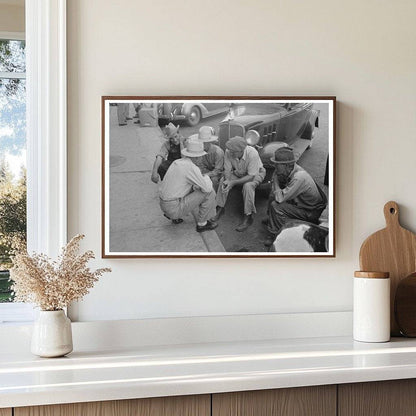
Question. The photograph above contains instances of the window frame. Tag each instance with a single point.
(46, 137)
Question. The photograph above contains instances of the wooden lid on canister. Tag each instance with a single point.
(372, 275)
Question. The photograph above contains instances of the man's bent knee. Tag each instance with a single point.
(249, 186)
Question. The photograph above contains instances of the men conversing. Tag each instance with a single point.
(294, 196)
(211, 164)
(169, 152)
(185, 189)
(242, 167)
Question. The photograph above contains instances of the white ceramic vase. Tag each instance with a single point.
(52, 334)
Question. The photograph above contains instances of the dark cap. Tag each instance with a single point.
(236, 144)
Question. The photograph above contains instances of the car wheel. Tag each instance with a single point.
(194, 116)
(310, 144)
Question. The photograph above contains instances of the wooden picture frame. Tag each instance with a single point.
(134, 133)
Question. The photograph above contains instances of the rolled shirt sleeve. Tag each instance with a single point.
(253, 161)
(164, 151)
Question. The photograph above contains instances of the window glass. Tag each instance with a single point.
(12, 56)
(12, 156)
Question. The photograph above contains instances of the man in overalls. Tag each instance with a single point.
(169, 152)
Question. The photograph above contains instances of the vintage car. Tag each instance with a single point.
(191, 113)
(268, 126)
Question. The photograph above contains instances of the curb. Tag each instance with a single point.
(210, 238)
(212, 242)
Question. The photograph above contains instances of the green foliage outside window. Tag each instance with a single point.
(12, 223)
(12, 145)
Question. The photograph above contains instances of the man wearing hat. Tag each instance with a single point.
(211, 164)
(242, 166)
(170, 151)
(295, 194)
(185, 190)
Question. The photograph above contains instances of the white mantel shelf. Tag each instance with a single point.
(151, 371)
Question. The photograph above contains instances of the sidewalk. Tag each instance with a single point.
(136, 221)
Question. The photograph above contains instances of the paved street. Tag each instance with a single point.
(137, 224)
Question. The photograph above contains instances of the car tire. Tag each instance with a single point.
(310, 144)
(194, 116)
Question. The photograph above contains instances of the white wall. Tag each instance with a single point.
(12, 18)
(360, 51)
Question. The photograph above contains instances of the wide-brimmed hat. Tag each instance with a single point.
(283, 156)
(206, 135)
(194, 148)
(171, 130)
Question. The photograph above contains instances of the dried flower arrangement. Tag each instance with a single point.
(53, 285)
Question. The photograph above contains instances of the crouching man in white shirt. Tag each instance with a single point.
(184, 189)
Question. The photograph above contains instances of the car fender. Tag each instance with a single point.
(314, 118)
(186, 109)
(310, 125)
(267, 152)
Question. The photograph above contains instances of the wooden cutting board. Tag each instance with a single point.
(405, 305)
(393, 250)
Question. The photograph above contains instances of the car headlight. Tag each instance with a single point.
(252, 137)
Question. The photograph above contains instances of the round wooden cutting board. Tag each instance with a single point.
(393, 250)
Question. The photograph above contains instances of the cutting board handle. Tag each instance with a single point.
(391, 214)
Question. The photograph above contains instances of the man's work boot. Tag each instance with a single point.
(210, 225)
(219, 214)
(247, 221)
(175, 221)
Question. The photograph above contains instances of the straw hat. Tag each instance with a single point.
(206, 135)
(194, 148)
(171, 130)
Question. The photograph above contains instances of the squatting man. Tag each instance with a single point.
(168, 153)
(185, 189)
(211, 164)
(242, 167)
(294, 196)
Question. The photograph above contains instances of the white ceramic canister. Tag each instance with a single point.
(371, 305)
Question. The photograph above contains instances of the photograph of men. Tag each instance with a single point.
(211, 164)
(185, 189)
(242, 167)
(206, 179)
(294, 196)
(169, 152)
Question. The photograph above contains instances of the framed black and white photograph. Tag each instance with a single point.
(218, 176)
